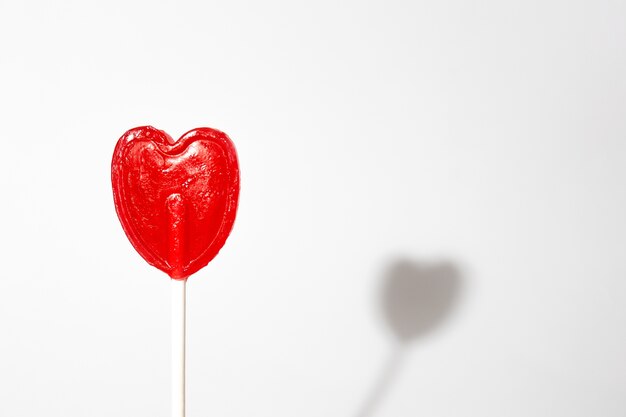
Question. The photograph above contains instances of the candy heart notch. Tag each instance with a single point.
(176, 200)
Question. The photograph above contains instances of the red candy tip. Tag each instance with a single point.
(176, 200)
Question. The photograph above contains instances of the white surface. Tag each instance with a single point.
(178, 347)
(488, 136)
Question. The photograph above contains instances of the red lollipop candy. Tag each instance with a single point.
(176, 200)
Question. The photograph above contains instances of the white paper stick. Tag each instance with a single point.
(178, 347)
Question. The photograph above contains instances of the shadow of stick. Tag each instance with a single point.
(383, 383)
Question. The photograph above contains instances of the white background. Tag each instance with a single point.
(466, 159)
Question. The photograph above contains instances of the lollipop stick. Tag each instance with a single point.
(176, 214)
(178, 347)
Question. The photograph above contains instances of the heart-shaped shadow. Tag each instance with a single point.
(416, 298)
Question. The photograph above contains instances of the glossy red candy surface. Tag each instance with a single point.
(176, 200)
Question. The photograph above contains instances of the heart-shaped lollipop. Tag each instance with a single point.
(176, 200)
